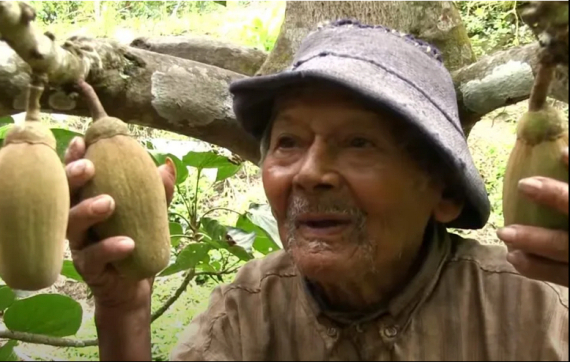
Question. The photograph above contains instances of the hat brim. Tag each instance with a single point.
(254, 98)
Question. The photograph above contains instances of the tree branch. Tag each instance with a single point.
(160, 311)
(207, 50)
(51, 341)
(502, 79)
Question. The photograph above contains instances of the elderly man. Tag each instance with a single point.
(364, 165)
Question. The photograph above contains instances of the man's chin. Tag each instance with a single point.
(319, 262)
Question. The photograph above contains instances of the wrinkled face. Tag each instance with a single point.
(347, 199)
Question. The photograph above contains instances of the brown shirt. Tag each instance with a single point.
(465, 303)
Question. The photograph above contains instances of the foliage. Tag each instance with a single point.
(201, 244)
(493, 25)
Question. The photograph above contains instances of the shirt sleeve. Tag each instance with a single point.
(212, 335)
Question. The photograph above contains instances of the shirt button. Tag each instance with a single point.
(391, 332)
(331, 332)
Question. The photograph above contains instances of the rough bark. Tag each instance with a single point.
(206, 50)
(437, 22)
(144, 88)
(501, 79)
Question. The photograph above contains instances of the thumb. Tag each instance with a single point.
(168, 174)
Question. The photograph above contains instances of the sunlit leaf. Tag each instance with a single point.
(4, 129)
(68, 270)
(55, 315)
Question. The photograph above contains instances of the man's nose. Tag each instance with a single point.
(318, 169)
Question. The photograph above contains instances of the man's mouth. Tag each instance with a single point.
(319, 225)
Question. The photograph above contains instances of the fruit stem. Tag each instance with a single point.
(93, 102)
(35, 91)
(541, 86)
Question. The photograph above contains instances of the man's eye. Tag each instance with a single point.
(285, 142)
(360, 142)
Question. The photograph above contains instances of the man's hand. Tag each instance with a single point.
(93, 258)
(540, 253)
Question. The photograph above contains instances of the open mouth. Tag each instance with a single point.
(323, 224)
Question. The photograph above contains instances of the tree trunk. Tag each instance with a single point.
(437, 22)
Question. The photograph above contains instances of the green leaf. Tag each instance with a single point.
(7, 297)
(263, 242)
(181, 169)
(7, 351)
(4, 129)
(206, 160)
(68, 270)
(176, 230)
(48, 314)
(188, 258)
(214, 230)
(261, 216)
(223, 3)
(227, 171)
(6, 120)
(63, 137)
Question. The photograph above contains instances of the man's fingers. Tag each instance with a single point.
(546, 191)
(86, 214)
(93, 260)
(168, 174)
(535, 267)
(78, 173)
(550, 244)
(75, 151)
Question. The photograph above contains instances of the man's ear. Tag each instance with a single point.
(448, 208)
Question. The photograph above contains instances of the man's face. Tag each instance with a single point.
(347, 199)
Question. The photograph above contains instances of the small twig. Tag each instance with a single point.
(220, 208)
(160, 311)
(51, 341)
(93, 102)
(541, 85)
(35, 90)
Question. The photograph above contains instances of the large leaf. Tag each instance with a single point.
(68, 270)
(263, 242)
(7, 297)
(209, 160)
(7, 351)
(261, 216)
(188, 258)
(63, 137)
(215, 231)
(175, 232)
(235, 240)
(181, 169)
(227, 171)
(49, 314)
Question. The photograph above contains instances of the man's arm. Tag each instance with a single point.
(123, 335)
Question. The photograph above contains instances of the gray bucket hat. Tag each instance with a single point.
(384, 67)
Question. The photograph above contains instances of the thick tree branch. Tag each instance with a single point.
(502, 79)
(237, 58)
